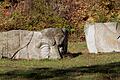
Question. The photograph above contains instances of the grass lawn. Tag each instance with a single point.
(84, 66)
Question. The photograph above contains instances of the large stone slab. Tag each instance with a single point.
(103, 37)
(49, 43)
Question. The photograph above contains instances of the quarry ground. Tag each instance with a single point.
(78, 64)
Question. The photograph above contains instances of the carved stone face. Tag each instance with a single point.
(55, 38)
(21, 44)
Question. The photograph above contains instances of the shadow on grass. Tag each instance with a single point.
(109, 71)
(71, 55)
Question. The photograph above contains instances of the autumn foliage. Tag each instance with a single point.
(71, 14)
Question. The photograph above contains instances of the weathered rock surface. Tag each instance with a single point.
(49, 43)
(103, 37)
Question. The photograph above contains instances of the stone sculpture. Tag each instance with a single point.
(50, 43)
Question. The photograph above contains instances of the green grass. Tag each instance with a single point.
(83, 67)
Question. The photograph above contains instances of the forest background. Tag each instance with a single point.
(71, 14)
